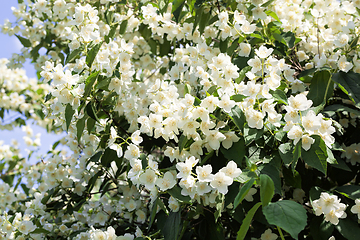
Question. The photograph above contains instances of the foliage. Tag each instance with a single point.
(186, 119)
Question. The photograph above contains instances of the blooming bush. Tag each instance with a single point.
(185, 119)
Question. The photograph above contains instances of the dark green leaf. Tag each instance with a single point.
(198, 3)
(177, 8)
(175, 192)
(73, 55)
(280, 96)
(92, 54)
(243, 192)
(348, 228)
(172, 226)
(350, 191)
(307, 72)
(223, 45)
(69, 112)
(289, 38)
(273, 172)
(80, 125)
(90, 124)
(90, 110)
(242, 73)
(285, 151)
(95, 158)
(238, 117)
(236, 152)
(320, 229)
(267, 3)
(297, 152)
(123, 26)
(246, 223)
(205, 16)
(288, 215)
(350, 84)
(182, 142)
(48, 97)
(252, 134)
(321, 88)
(89, 83)
(316, 156)
(24, 41)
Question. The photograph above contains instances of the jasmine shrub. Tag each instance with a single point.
(184, 120)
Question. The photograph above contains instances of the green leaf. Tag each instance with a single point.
(198, 3)
(321, 88)
(69, 112)
(238, 117)
(177, 8)
(297, 152)
(316, 156)
(95, 158)
(245, 176)
(342, 108)
(108, 156)
(90, 125)
(292, 178)
(273, 15)
(73, 55)
(350, 191)
(307, 72)
(92, 54)
(273, 172)
(205, 16)
(242, 74)
(241, 62)
(123, 26)
(246, 223)
(243, 192)
(89, 83)
(285, 151)
(172, 226)
(287, 215)
(280, 96)
(223, 45)
(90, 110)
(349, 84)
(236, 152)
(348, 228)
(320, 229)
(182, 142)
(24, 41)
(252, 134)
(267, 3)
(238, 97)
(289, 38)
(175, 192)
(153, 212)
(80, 125)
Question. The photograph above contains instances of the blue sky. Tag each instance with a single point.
(8, 46)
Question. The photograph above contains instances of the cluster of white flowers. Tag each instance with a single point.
(352, 153)
(330, 206)
(201, 83)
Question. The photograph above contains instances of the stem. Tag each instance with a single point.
(326, 91)
(281, 234)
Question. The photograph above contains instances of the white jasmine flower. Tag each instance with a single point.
(221, 182)
(263, 52)
(204, 173)
(148, 178)
(167, 182)
(231, 170)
